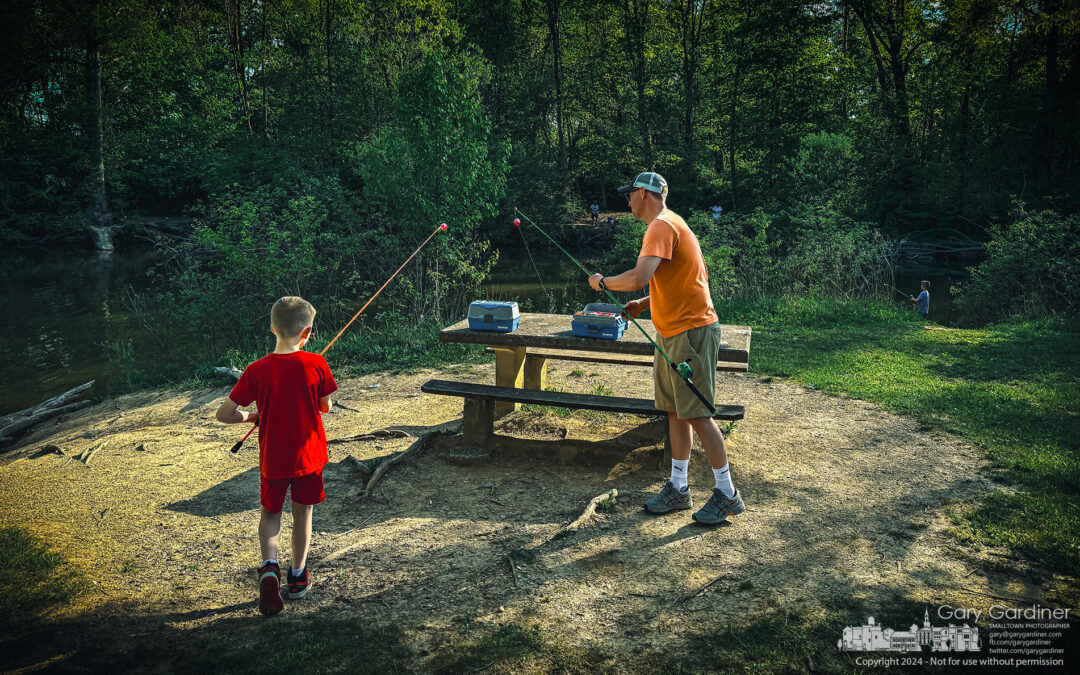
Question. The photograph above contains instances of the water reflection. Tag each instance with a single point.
(63, 305)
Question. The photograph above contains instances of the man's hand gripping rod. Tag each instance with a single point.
(684, 370)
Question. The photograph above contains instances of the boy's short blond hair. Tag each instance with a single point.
(291, 315)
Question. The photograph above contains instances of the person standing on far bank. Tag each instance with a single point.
(922, 303)
(687, 328)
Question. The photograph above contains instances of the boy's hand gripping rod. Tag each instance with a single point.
(440, 228)
(683, 370)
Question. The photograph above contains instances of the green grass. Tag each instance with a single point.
(1012, 388)
(35, 579)
(511, 648)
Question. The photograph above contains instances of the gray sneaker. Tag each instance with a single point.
(669, 500)
(719, 507)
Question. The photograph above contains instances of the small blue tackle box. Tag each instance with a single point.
(599, 320)
(496, 315)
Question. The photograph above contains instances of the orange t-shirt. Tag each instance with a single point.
(679, 296)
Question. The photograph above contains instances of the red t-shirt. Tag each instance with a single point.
(287, 389)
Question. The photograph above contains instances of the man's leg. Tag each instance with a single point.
(725, 500)
(675, 496)
(712, 440)
(269, 533)
(681, 439)
(301, 534)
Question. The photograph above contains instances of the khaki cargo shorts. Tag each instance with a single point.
(700, 347)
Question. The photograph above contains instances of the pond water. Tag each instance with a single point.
(68, 310)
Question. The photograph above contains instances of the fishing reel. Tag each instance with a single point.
(684, 370)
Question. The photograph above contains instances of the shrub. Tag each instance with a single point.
(823, 172)
(1032, 269)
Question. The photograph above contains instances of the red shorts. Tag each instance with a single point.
(306, 489)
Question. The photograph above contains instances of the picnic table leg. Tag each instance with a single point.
(535, 372)
(478, 424)
(509, 372)
(665, 454)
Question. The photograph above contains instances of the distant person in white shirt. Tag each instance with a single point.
(594, 208)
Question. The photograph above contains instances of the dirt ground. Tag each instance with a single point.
(847, 506)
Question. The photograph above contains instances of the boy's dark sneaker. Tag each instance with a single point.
(270, 602)
(298, 584)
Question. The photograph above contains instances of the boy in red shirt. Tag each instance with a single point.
(291, 387)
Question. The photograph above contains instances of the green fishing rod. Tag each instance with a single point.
(683, 370)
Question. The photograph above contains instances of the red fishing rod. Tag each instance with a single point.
(440, 228)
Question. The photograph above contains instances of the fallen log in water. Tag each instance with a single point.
(13, 424)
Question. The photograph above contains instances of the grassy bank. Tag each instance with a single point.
(1012, 388)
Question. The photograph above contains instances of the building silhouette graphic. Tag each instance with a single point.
(873, 637)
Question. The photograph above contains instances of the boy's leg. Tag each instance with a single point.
(269, 533)
(307, 491)
(301, 534)
(269, 572)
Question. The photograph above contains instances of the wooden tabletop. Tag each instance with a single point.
(552, 331)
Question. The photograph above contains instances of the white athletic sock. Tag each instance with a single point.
(268, 561)
(678, 473)
(723, 481)
(297, 572)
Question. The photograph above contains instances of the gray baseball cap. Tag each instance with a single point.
(651, 181)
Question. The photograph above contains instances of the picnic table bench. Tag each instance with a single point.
(521, 360)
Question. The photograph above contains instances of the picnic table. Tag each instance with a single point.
(521, 360)
(521, 356)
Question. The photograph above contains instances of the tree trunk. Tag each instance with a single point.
(733, 128)
(99, 222)
(637, 18)
(329, 73)
(694, 15)
(237, 44)
(1046, 168)
(266, 52)
(554, 11)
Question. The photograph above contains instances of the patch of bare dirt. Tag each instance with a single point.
(846, 506)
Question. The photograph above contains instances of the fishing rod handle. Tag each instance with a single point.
(697, 392)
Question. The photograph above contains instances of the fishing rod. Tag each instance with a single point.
(897, 290)
(440, 228)
(684, 370)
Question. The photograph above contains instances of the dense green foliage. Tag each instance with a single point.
(898, 113)
(1032, 270)
(810, 250)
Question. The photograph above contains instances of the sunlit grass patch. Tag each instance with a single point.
(1012, 388)
(35, 578)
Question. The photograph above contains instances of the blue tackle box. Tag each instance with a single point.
(496, 315)
(599, 320)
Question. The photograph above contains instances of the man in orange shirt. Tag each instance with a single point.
(687, 329)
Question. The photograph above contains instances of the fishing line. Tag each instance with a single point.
(440, 228)
(538, 277)
(684, 370)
